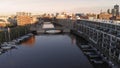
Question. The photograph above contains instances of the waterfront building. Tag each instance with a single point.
(34, 20)
(91, 16)
(80, 16)
(63, 15)
(104, 15)
(118, 18)
(71, 16)
(4, 21)
(23, 18)
(13, 21)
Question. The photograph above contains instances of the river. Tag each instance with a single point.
(47, 51)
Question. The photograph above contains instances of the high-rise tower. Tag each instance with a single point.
(115, 10)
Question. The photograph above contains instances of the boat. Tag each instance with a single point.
(12, 46)
(85, 46)
(12, 43)
(6, 47)
(0, 53)
(93, 56)
(96, 61)
(53, 31)
(88, 49)
(16, 42)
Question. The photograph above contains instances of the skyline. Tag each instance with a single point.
(52, 6)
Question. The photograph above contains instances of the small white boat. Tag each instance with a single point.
(15, 41)
(53, 31)
(19, 40)
(85, 46)
(96, 61)
(0, 52)
(12, 46)
(12, 43)
(6, 47)
(30, 34)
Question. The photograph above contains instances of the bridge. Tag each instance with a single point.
(39, 28)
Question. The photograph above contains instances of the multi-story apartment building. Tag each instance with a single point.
(23, 18)
(104, 15)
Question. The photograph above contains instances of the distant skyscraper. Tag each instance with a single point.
(108, 11)
(115, 10)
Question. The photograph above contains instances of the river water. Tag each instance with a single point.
(47, 51)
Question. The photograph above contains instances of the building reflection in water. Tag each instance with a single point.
(73, 39)
(81, 41)
(78, 40)
(30, 42)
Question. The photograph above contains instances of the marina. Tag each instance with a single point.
(13, 44)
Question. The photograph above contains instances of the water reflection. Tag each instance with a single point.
(73, 39)
(30, 42)
(48, 51)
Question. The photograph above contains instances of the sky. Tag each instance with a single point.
(52, 6)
